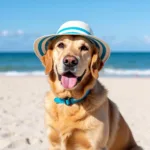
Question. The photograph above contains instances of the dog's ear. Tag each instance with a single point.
(96, 64)
(47, 61)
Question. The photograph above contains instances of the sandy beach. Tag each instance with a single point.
(22, 111)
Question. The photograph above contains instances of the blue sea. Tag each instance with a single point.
(119, 64)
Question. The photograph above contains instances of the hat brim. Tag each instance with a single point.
(41, 45)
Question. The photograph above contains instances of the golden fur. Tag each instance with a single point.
(95, 123)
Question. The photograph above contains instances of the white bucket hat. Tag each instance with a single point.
(72, 28)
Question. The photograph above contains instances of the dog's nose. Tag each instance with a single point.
(70, 61)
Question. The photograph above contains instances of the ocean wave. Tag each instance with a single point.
(106, 71)
(16, 73)
(127, 72)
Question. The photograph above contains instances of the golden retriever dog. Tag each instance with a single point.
(72, 63)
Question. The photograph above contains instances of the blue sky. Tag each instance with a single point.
(124, 25)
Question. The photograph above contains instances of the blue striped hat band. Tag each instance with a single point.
(75, 29)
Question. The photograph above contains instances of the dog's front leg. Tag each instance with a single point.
(54, 140)
(98, 138)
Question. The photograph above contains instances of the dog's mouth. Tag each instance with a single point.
(69, 80)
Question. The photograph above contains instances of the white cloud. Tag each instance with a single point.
(4, 33)
(20, 32)
(147, 39)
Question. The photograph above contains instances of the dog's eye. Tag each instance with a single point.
(84, 48)
(61, 45)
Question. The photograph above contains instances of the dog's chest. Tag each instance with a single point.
(75, 128)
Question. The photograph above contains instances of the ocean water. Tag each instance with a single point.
(119, 64)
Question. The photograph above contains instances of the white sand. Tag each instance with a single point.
(21, 110)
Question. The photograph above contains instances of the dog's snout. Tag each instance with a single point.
(70, 61)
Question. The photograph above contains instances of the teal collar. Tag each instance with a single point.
(70, 101)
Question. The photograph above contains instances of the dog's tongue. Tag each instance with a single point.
(68, 81)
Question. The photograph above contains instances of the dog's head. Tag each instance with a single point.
(72, 63)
